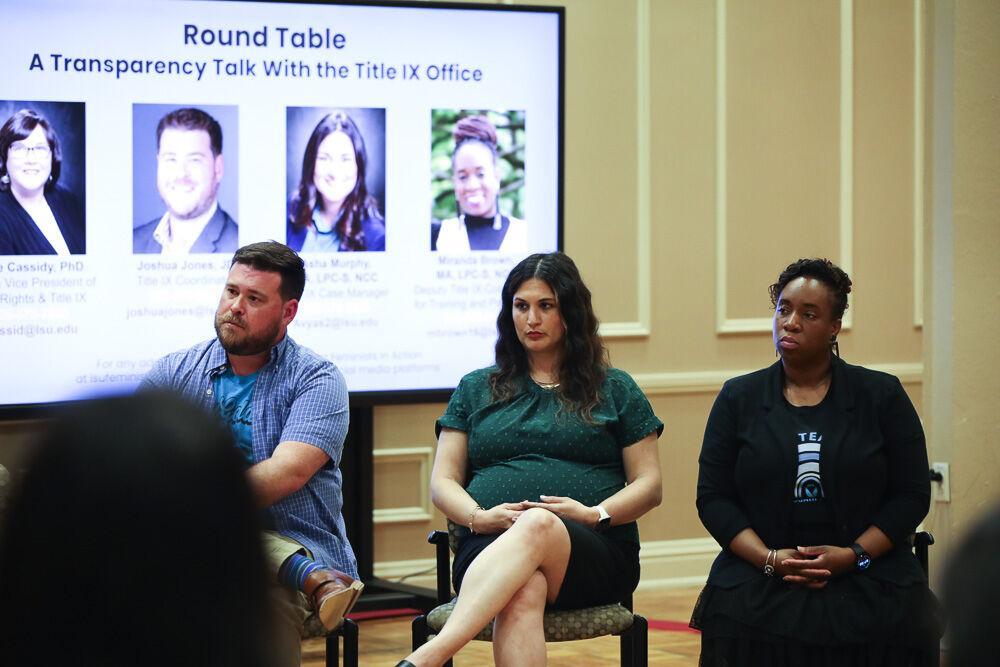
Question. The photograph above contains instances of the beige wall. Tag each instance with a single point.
(963, 358)
(976, 287)
(708, 144)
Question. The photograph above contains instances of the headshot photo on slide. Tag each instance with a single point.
(42, 178)
(477, 181)
(335, 180)
(184, 179)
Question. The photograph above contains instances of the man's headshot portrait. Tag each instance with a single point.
(190, 171)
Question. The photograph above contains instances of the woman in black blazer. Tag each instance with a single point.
(37, 216)
(812, 476)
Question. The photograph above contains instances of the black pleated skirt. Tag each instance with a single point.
(855, 621)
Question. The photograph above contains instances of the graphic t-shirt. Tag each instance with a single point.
(234, 398)
(812, 516)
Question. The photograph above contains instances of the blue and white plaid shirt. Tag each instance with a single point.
(298, 396)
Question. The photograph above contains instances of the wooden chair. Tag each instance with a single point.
(560, 625)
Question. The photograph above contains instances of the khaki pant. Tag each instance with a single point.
(292, 607)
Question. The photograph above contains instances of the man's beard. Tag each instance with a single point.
(248, 344)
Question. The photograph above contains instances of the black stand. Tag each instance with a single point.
(357, 468)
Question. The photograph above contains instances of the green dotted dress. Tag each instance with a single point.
(532, 445)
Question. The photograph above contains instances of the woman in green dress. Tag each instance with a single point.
(547, 459)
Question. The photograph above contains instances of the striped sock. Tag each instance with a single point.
(295, 569)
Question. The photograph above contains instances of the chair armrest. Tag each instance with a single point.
(439, 539)
(921, 541)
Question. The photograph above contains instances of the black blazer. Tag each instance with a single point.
(19, 235)
(874, 468)
(219, 235)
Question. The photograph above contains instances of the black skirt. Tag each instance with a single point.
(854, 621)
(600, 570)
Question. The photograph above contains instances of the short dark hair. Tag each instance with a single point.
(190, 118)
(17, 128)
(277, 257)
(477, 128)
(823, 270)
(584, 361)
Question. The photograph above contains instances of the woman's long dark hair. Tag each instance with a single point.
(357, 206)
(584, 360)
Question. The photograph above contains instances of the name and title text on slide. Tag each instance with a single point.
(45, 293)
(454, 297)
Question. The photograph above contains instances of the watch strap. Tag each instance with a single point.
(861, 558)
(603, 519)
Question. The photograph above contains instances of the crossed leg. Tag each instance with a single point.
(518, 630)
(511, 580)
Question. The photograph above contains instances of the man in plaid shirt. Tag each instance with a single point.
(288, 411)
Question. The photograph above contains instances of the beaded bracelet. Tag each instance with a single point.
(770, 562)
(472, 517)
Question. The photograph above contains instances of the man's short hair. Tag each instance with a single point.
(192, 119)
(279, 258)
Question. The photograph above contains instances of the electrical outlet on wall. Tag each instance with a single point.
(941, 489)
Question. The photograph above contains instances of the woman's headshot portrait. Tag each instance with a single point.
(336, 180)
(477, 166)
(41, 210)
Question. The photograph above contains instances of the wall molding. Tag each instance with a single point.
(671, 563)
(736, 325)
(424, 456)
(641, 326)
(918, 163)
(664, 563)
(704, 382)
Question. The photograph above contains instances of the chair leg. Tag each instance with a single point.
(333, 649)
(635, 643)
(626, 642)
(640, 641)
(350, 632)
(419, 632)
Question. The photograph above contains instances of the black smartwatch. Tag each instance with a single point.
(862, 559)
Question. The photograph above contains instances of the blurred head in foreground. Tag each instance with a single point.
(971, 591)
(111, 552)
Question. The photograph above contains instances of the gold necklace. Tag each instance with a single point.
(545, 385)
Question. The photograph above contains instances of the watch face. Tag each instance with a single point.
(864, 561)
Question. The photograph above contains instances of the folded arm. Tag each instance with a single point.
(642, 492)
(448, 488)
(287, 470)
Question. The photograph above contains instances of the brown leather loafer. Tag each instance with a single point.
(332, 594)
